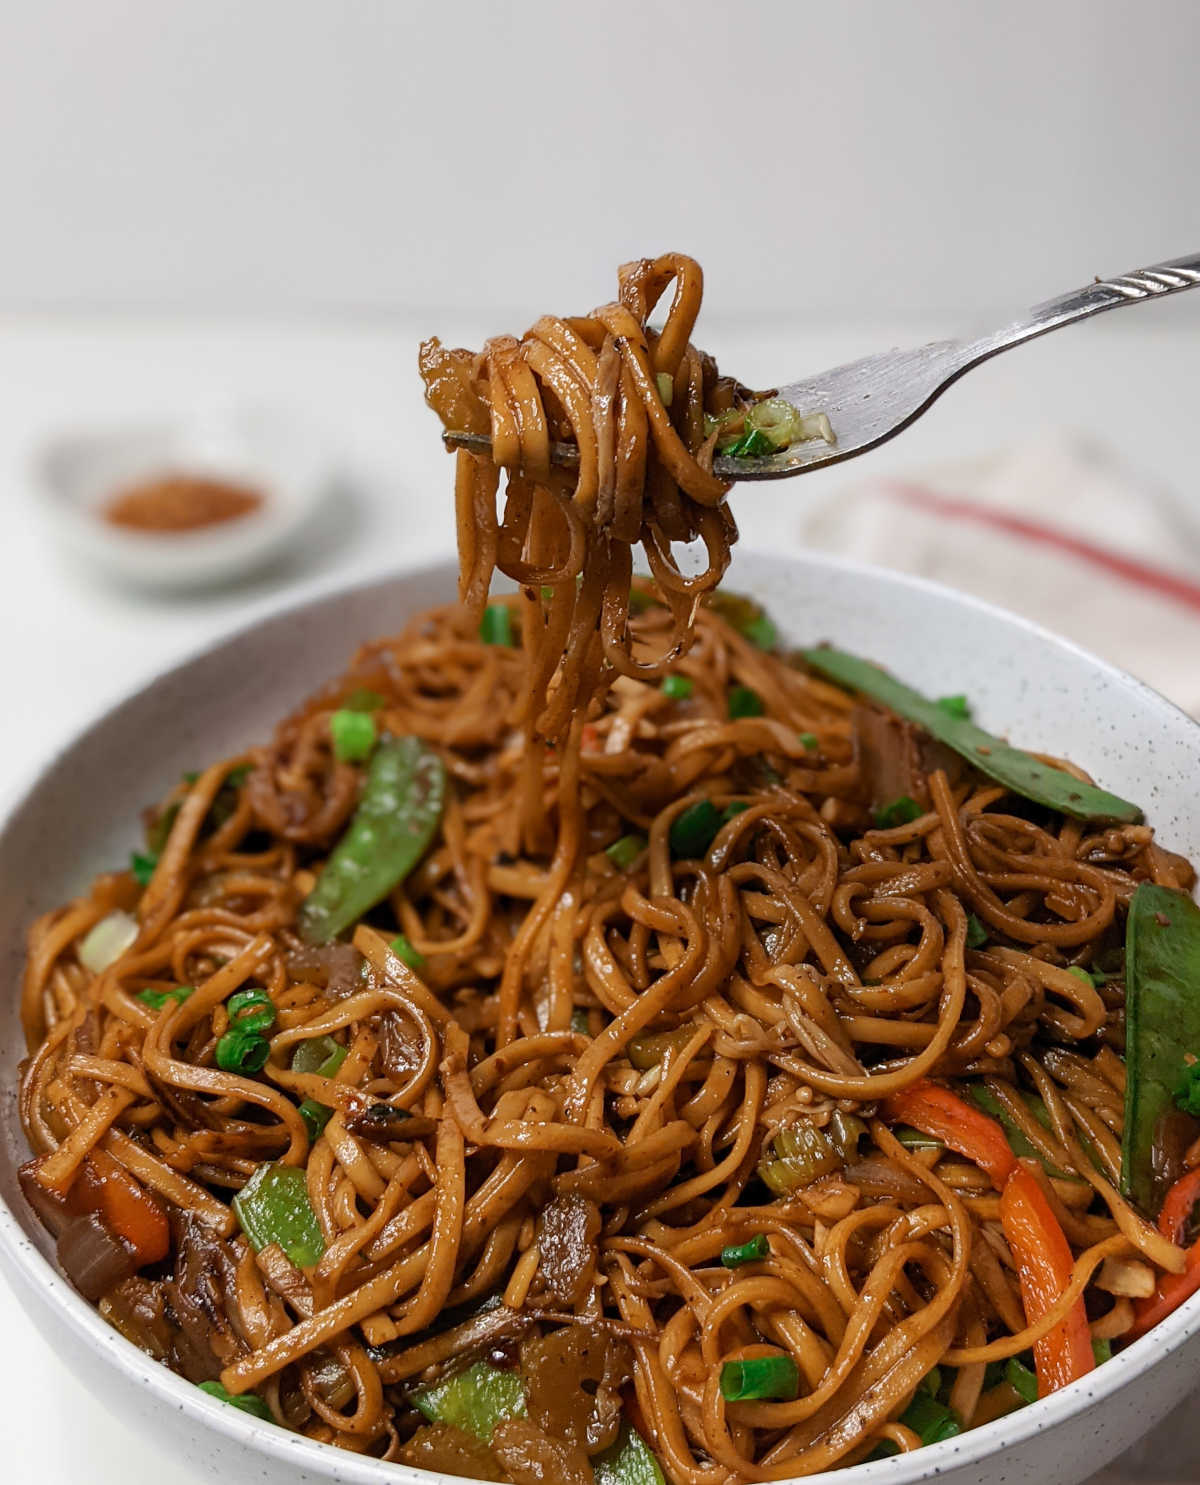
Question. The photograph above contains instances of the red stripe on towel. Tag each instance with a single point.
(1140, 574)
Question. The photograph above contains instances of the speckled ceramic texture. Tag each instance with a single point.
(81, 816)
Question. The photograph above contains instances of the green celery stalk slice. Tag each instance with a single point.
(627, 1462)
(1162, 1025)
(475, 1399)
(1012, 767)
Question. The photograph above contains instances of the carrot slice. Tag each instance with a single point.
(936, 1111)
(127, 1207)
(1043, 1257)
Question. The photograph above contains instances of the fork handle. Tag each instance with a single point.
(1110, 293)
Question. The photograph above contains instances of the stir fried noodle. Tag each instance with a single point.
(717, 1060)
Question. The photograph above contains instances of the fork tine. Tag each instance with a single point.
(564, 454)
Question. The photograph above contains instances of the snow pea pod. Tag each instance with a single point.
(397, 817)
(1162, 1028)
(1015, 769)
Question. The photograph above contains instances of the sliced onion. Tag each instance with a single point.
(93, 1257)
(107, 941)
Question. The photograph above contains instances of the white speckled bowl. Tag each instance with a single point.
(81, 815)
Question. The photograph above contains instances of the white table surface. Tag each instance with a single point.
(72, 643)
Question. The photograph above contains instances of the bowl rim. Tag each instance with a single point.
(27, 1267)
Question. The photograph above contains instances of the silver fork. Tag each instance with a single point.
(871, 400)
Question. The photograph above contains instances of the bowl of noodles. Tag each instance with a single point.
(614, 1028)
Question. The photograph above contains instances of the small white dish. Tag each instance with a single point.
(278, 454)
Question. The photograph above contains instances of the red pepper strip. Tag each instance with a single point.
(1043, 1257)
(936, 1111)
(1173, 1289)
(128, 1209)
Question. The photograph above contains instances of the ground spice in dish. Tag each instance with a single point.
(180, 502)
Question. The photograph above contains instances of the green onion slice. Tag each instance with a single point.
(402, 947)
(353, 735)
(248, 1402)
(677, 687)
(496, 627)
(735, 1254)
(156, 999)
(624, 852)
(902, 811)
(760, 1377)
(744, 701)
(694, 830)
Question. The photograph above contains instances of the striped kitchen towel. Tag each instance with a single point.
(1061, 532)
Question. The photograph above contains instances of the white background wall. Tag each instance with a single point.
(851, 159)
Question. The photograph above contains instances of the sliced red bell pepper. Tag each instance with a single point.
(936, 1111)
(1043, 1257)
(1181, 1202)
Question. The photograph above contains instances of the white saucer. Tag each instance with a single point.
(266, 449)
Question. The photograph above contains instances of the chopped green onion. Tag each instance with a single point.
(319, 1054)
(677, 687)
(273, 1207)
(955, 706)
(547, 593)
(930, 1420)
(731, 811)
(316, 1116)
(762, 632)
(475, 1399)
(1187, 1090)
(735, 1254)
(902, 811)
(142, 867)
(403, 949)
(496, 628)
(666, 387)
(1081, 974)
(248, 1402)
(190, 776)
(693, 831)
(324, 1056)
(1102, 1351)
(798, 1155)
(363, 700)
(745, 702)
(156, 999)
(244, 1047)
(777, 420)
(640, 601)
(809, 740)
(931, 1382)
(624, 852)
(775, 1377)
(649, 1049)
(580, 1024)
(240, 1052)
(1021, 1379)
(977, 934)
(752, 444)
(353, 735)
